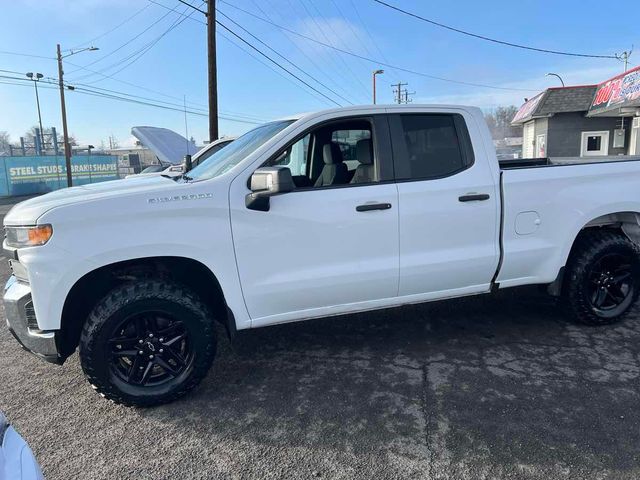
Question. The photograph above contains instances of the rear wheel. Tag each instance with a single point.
(147, 343)
(602, 281)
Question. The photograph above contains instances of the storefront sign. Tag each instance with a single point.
(40, 174)
(620, 91)
(527, 109)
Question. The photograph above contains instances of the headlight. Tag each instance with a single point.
(19, 237)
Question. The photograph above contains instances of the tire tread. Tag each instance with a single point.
(588, 245)
(120, 297)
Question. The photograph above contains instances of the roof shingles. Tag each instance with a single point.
(562, 100)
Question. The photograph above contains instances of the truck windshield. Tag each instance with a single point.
(228, 157)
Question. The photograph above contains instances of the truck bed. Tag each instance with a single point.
(545, 208)
(555, 161)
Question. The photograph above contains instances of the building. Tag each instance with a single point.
(583, 121)
(132, 160)
(508, 148)
(618, 98)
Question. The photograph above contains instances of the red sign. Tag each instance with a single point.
(623, 90)
(527, 109)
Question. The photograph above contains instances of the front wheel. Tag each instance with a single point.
(147, 343)
(602, 281)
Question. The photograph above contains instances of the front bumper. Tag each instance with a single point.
(19, 312)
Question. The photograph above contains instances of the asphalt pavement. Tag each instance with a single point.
(480, 388)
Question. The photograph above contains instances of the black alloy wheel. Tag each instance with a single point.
(147, 342)
(611, 285)
(150, 349)
(602, 277)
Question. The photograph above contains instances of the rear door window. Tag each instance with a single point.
(347, 141)
(429, 146)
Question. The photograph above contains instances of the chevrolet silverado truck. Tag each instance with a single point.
(328, 213)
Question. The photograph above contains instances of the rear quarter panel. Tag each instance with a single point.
(565, 198)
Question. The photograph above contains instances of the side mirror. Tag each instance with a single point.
(187, 163)
(266, 182)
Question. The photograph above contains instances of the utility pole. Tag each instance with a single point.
(65, 131)
(398, 91)
(624, 58)
(213, 70)
(406, 94)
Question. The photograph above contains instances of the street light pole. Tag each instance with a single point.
(38, 76)
(375, 72)
(65, 131)
(550, 74)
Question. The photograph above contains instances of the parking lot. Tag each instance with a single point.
(493, 387)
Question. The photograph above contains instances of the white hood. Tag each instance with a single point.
(28, 212)
(169, 146)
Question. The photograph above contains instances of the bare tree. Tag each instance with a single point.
(113, 142)
(5, 141)
(499, 122)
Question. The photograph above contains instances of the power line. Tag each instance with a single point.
(194, 7)
(276, 63)
(125, 44)
(372, 60)
(129, 100)
(134, 57)
(90, 92)
(284, 58)
(265, 55)
(355, 33)
(326, 37)
(371, 37)
(12, 71)
(310, 59)
(235, 114)
(489, 39)
(127, 20)
(51, 83)
(258, 59)
(335, 59)
(19, 54)
(350, 27)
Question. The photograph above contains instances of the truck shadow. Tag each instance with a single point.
(485, 382)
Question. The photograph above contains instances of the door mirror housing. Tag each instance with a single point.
(266, 182)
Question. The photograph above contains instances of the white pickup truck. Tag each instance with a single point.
(328, 213)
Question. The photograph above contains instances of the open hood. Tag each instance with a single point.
(169, 146)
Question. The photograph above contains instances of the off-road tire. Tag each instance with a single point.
(590, 247)
(125, 299)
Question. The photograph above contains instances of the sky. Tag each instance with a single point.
(147, 50)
